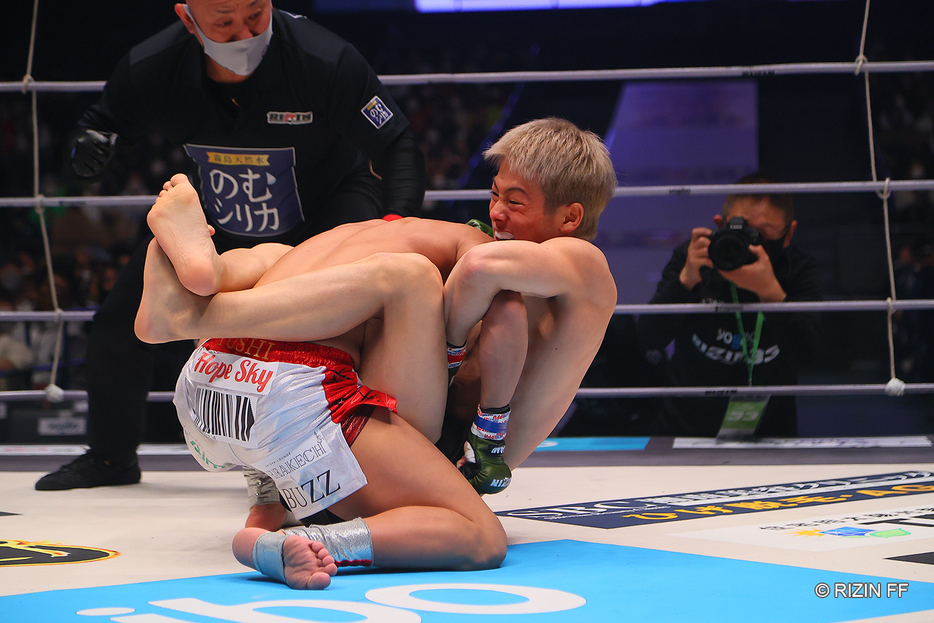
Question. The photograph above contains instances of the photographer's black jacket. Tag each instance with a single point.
(708, 351)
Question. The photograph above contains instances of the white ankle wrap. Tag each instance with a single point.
(267, 555)
(349, 543)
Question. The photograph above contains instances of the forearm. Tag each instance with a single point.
(402, 170)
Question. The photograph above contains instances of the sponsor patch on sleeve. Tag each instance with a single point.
(377, 112)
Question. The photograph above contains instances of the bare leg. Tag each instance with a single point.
(503, 344)
(165, 302)
(420, 511)
(178, 223)
(404, 353)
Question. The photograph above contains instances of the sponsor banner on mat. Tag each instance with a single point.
(803, 443)
(15, 553)
(821, 534)
(735, 501)
(592, 444)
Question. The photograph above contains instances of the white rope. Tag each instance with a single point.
(669, 73)
(28, 83)
(53, 392)
(867, 389)
(484, 194)
(788, 306)
(670, 308)
(746, 390)
(895, 386)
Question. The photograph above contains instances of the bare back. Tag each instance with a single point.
(441, 242)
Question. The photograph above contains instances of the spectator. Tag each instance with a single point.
(710, 349)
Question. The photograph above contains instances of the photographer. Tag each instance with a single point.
(748, 259)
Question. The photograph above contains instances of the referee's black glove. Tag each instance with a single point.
(91, 151)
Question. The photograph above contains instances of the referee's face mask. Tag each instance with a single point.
(241, 57)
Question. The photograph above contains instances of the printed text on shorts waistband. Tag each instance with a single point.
(305, 353)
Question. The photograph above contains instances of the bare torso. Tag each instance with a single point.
(440, 241)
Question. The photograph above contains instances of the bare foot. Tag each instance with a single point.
(168, 311)
(178, 223)
(307, 564)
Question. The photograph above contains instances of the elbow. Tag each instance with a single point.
(477, 273)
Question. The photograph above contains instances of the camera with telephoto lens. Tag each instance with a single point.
(729, 245)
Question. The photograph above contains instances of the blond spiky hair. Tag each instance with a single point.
(569, 165)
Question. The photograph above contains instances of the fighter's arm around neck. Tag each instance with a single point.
(556, 268)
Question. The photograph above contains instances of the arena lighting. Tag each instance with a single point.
(464, 6)
(453, 6)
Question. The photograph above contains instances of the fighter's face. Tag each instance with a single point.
(517, 209)
(230, 20)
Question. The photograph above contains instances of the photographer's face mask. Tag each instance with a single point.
(241, 57)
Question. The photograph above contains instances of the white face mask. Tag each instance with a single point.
(241, 57)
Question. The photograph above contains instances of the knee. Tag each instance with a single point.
(407, 272)
(419, 269)
(490, 549)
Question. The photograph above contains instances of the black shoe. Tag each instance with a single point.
(90, 470)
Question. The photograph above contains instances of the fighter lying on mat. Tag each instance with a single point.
(379, 305)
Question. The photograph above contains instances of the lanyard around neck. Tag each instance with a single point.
(750, 361)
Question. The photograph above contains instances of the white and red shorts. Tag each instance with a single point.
(288, 409)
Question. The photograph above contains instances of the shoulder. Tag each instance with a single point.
(587, 272)
(163, 46)
(582, 253)
(308, 38)
(443, 232)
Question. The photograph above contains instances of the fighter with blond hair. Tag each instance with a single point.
(373, 313)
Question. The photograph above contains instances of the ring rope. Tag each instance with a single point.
(884, 195)
(471, 194)
(52, 391)
(887, 305)
(865, 389)
(586, 75)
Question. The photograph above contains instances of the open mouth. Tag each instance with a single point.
(502, 235)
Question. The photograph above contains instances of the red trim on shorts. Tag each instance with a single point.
(392, 217)
(350, 402)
